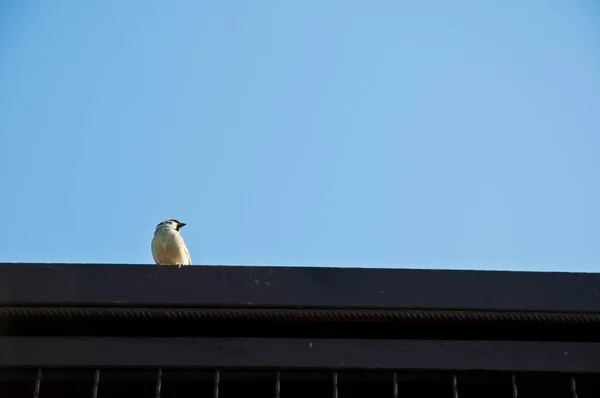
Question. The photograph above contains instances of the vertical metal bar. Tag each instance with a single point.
(217, 382)
(38, 382)
(573, 387)
(395, 385)
(96, 382)
(514, 386)
(335, 385)
(278, 385)
(158, 382)
(454, 386)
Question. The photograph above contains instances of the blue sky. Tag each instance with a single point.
(430, 134)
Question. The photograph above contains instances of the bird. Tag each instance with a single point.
(168, 246)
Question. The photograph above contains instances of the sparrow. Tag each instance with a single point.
(168, 246)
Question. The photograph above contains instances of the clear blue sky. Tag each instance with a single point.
(434, 134)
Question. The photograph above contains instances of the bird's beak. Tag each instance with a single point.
(181, 224)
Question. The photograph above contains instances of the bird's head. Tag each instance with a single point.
(170, 225)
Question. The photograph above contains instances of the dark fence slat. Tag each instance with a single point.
(110, 285)
(280, 353)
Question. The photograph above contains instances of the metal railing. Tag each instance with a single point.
(288, 383)
(126, 330)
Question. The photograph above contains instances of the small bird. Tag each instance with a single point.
(168, 246)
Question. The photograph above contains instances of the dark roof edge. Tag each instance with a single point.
(315, 288)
